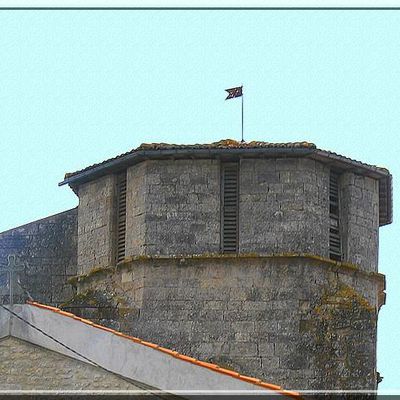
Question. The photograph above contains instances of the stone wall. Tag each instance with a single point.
(47, 249)
(284, 206)
(136, 201)
(24, 366)
(300, 322)
(175, 207)
(96, 223)
(360, 220)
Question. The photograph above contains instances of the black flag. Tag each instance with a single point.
(234, 92)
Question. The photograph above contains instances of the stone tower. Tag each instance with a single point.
(257, 256)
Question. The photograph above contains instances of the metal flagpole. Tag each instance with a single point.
(233, 93)
(242, 115)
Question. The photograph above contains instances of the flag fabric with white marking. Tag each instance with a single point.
(234, 92)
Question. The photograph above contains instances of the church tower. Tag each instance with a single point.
(261, 257)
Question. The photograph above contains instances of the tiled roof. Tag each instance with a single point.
(174, 354)
(225, 144)
(222, 144)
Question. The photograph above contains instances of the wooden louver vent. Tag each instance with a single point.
(335, 248)
(121, 216)
(230, 206)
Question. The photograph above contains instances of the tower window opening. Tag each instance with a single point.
(229, 207)
(335, 246)
(121, 217)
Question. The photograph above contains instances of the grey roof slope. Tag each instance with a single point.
(229, 147)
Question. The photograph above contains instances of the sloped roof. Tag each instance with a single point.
(226, 144)
(175, 368)
(229, 147)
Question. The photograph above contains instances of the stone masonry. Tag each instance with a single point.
(96, 214)
(284, 206)
(24, 366)
(300, 322)
(278, 308)
(176, 206)
(173, 207)
(48, 250)
(360, 210)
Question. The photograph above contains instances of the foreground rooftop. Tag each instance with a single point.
(128, 357)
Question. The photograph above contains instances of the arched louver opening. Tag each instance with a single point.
(335, 246)
(121, 216)
(230, 207)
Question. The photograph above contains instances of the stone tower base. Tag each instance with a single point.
(299, 321)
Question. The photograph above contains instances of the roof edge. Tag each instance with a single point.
(229, 148)
(137, 156)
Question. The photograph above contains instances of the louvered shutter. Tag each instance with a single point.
(335, 247)
(230, 207)
(121, 216)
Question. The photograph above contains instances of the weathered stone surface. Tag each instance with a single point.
(48, 250)
(24, 366)
(96, 223)
(360, 220)
(174, 207)
(298, 322)
(284, 206)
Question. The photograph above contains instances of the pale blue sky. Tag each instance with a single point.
(77, 87)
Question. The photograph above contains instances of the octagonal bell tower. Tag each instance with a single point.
(262, 257)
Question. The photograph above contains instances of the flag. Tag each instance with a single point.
(234, 92)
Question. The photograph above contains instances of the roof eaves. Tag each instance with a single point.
(234, 148)
(382, 174)
(355, 164)
(135, 156)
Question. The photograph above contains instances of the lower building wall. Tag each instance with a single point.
(45, 250)
(299, 322)
(24, 366)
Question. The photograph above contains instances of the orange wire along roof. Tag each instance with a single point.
(175, 354)
(229, 148)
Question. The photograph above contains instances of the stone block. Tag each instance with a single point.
(286, 164)
(247, 349)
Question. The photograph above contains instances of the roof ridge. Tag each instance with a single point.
(175, 354)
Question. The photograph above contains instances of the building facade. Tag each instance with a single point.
(259, 257)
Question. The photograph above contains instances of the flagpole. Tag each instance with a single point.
(242, 114)
(233, 93)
